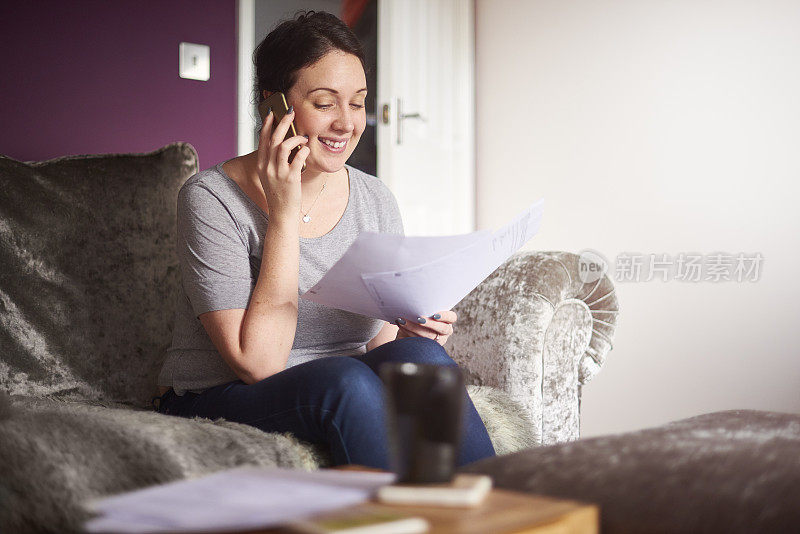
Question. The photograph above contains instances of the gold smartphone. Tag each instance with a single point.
(277, 101)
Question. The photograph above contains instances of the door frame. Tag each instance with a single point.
(245, 43)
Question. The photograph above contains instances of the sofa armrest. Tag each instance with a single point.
(536, 331)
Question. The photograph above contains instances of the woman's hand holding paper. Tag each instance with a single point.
(438, 327)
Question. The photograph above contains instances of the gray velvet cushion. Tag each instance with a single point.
(730, 471)
(88, 273)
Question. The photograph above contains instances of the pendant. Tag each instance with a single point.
(306, 218)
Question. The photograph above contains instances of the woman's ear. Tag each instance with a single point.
(266, 94)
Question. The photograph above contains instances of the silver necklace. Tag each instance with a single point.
(306, 218)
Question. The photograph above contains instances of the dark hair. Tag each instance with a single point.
(297, 43)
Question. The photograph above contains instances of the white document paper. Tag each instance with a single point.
(235, 499)
(387, 276)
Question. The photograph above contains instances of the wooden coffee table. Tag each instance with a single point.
(503, 512)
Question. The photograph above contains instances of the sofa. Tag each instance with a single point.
(89, 280)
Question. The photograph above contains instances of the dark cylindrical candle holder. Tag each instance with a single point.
(425, 410)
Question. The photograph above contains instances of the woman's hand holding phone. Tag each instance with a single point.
(279, 178)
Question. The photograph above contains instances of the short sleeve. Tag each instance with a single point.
(213, 255)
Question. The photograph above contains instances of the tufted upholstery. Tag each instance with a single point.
(534, 330)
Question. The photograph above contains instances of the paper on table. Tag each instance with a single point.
(235, 499)
(388, 276)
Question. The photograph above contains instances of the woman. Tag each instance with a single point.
(245, 347)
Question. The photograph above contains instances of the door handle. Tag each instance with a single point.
(404, 116)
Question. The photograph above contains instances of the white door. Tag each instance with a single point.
(425, 112)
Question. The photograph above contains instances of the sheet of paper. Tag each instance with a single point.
(389, 276)
(423, 290)
(235, 499)
(342, 287)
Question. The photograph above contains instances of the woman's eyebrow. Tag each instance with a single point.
(332, 90)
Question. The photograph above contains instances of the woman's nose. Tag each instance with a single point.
(344, 120)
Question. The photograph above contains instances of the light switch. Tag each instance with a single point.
(194, 61)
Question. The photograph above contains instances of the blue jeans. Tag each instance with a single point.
(336, 401)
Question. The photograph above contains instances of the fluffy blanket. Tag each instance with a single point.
(55, 454)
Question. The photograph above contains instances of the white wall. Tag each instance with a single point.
(657, 127)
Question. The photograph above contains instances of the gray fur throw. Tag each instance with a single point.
(55, 454)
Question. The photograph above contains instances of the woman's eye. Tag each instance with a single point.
(326, 106)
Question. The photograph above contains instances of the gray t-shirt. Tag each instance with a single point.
(220, 242)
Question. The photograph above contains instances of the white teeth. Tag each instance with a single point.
(339, 144)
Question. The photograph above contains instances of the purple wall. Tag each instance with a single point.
(90, 77)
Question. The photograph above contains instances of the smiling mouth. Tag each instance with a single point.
(333, 146)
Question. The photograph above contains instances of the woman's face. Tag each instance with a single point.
(328, 99)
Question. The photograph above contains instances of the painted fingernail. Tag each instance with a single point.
(269, 111)
(291, 109)
(422, 320)
(437, 316)
(400, 320)
(305, 136)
